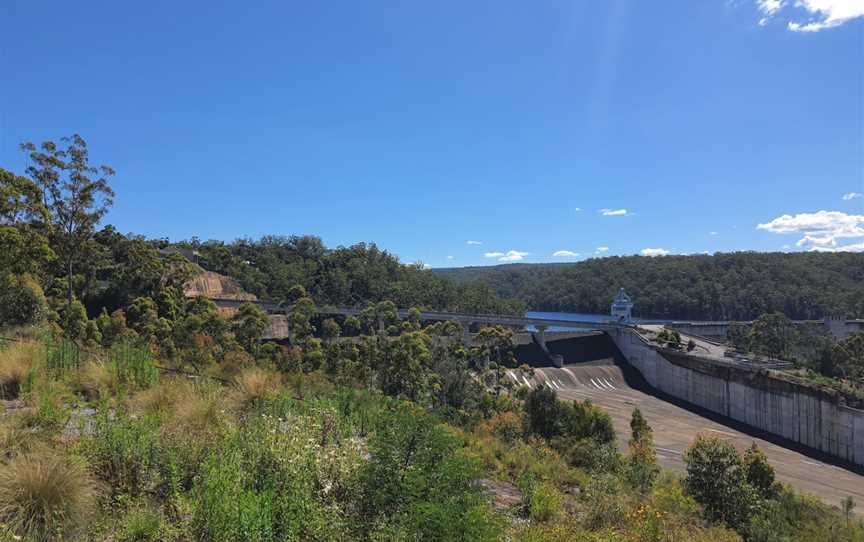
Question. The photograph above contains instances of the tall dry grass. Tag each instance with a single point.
(16, 362)
(96, 380)
(189, 405)
(14, 437)
(255, 384)
(45, 496)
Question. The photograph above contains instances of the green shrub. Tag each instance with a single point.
(51, 399)
(133, 365)
(415, 471)
(140, 525)
(126, 452)
(22, 301)
(279, 478)
(716, 478)
(543, 501)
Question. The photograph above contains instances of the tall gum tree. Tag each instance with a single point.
(76, 194)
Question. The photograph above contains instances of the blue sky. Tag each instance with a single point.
(697, 126)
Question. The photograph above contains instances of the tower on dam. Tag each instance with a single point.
(622, 307)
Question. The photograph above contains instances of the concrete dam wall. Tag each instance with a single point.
(572, 347)
(810, 416)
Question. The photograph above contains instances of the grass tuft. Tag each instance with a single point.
(45, 496)
(256, 384)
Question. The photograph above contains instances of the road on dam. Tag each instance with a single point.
(675, 428)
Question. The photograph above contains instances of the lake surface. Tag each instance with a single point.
(579, 317)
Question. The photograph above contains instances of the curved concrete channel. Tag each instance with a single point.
(611, 385)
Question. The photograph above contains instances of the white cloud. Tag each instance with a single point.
(856, 247)
(578, 209)
(473, 242)
(602, 249)
(613, 212)
(712, 233)
(564, 254)
(509, 256)
(450, 257)
(769, 7)
(654, 252)
(851, 195)
(819, 14)
(513, 256)
(821, 230)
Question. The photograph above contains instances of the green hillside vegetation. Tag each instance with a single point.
(416, 439)
(733, 286)
(273, 265)
(131, 413)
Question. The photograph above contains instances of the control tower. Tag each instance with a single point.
(622, 307)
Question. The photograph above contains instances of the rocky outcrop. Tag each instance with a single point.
(215, 286)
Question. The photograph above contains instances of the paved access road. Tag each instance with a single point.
(675, 428)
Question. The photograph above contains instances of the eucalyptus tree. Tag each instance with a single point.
(76, 194)
(23, 221)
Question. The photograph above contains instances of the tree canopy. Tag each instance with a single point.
(723, 286)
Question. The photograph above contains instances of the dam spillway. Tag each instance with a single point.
(596, 370)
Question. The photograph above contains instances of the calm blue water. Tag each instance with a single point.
(581, 317)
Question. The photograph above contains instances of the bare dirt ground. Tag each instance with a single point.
(675, 428)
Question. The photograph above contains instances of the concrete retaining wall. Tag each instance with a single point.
(807, 415)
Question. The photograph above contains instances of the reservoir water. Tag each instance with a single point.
(578, 317)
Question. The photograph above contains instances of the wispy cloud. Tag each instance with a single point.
(851, 195)
(564, 254)
(820, 231)
(712, 233)
(578, 209)
(613, 212)
(602, 249)
(493, 254)
(654, 252)
(768, 9)
(450, 257)
(818, 14)
(473, 242)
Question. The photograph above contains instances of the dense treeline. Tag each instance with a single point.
(57, 262)
(352, 275)
(733, 286)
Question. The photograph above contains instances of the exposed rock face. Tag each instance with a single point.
(215, 286)
(278, 328)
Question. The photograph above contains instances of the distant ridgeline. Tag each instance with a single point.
(724, 286)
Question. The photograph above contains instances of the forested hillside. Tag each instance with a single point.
(740, 285)
(352, 275)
